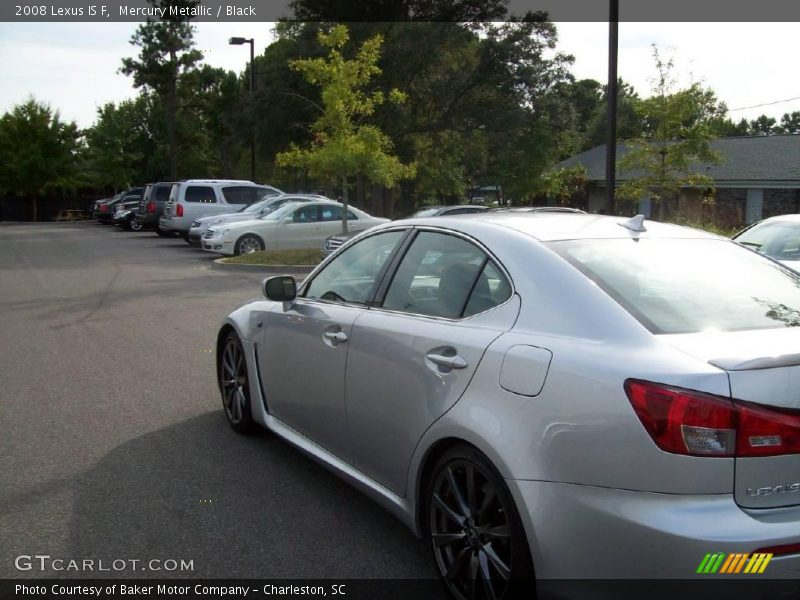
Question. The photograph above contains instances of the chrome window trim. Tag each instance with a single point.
(308, 280)
(414, 229)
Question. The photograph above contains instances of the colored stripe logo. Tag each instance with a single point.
(720, 562)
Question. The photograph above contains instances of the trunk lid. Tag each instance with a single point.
(763, 368)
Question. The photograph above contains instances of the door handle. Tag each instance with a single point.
(449, 362)
(335, 337)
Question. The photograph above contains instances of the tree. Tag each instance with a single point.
(790, 122)
(677, 135)
(763, 125)
(38, 152)
(166, 54)
(344, 143)
(116, 144)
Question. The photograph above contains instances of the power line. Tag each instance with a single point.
(765, 104)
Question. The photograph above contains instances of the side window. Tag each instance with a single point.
(200, 193)
(334, 213)
(351, 276)
(445, 276)
(306, 214)
(242, 194)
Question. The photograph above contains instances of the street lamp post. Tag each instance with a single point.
(238, 41)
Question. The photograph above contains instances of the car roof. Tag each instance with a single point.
(222, 181)
(790, 218)
(556, 226)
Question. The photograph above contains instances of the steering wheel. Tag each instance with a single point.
(331, 295)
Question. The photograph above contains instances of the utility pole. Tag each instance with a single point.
(611, 100)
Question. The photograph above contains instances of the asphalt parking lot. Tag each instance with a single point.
(112, 437)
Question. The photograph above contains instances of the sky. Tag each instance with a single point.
(74, 66)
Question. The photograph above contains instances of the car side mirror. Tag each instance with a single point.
(288, 219)
(282, 288)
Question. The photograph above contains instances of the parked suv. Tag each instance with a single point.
(151, 206)
(195, 198)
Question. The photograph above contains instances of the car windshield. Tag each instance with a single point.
(425, 212)
(257, 206)
(278, 214)
(777, 239)
(689, 285)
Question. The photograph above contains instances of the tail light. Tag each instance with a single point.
(179, 210)
(151, 207)
(104, 208)
(699, 424)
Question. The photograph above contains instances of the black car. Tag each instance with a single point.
(104, 209)
(151, 206)
(124, 215)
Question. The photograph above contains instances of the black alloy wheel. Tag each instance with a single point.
(479, 545)
(234, 385)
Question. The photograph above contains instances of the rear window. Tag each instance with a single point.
(686, 285)
(162, 193)
(200, 193)
(241, 194)
(778, 239)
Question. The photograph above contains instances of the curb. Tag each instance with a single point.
(271, 269)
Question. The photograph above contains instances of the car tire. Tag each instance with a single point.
(133, 225)
(162, 233)
(477, 539)
(234, 385)
(248, 243)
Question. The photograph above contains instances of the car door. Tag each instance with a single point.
(301, 229)
(412, 357)
(302, 351)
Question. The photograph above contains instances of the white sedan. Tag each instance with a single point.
(295, 225)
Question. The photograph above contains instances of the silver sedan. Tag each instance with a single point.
(570, 395)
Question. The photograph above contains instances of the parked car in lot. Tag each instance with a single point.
(151, 206)
(104, 209)
(195, 198)
(125, 213)
(294, 225)
(777, 237)
(454, 209)
(247, 213)
(570, 395)
(332, 243)
(535, 209)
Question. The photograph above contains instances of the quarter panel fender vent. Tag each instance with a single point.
(524, 369)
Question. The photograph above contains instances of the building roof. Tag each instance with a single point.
(768, 160)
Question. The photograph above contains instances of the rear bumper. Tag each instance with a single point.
(165, 223)
(177, 224)
(147, 219)
(584, 532)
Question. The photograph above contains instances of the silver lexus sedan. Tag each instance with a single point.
(543, 396)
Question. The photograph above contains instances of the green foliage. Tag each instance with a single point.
(38, 152)
(166, 54)
(344, 143)
(677, 134)
(564, 184)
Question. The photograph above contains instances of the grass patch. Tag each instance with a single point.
(277, 257)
